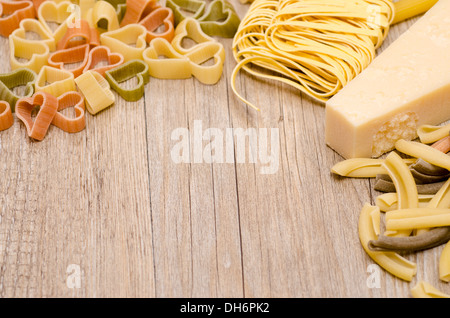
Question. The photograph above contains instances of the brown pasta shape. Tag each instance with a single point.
(423, 241)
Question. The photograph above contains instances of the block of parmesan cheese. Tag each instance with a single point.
(405, 86)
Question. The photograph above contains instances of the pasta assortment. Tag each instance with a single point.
(413, 221)
(315, 46)
(122, 34)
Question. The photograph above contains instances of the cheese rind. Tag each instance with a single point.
(406, 86)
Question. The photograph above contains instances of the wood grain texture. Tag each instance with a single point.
(111, 201)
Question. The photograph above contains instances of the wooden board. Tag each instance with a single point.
(108, 213)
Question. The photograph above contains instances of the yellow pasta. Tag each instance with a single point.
(440, 200)
(418, 218)
(425, 290)
(406, 211)
(389, 202)
(402, 214)
(444, 263)
(362, 167)
(316, 46)
(427, 153)
(405, 186)
(359, 168)
(96, 91)
(368, 229)
(430, 133)
(405, 9)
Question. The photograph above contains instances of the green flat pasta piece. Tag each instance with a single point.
(220, 19)
(18, 77)
(126, 71)
(181, 7)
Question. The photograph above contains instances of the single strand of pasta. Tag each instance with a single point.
(362, 167)
(418, 218)
(426, 152)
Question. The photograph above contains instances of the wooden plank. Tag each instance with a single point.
(169, 191)
(213, 252)
(113, 205)
(119, 240)
(77, 202)
(216, 179)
